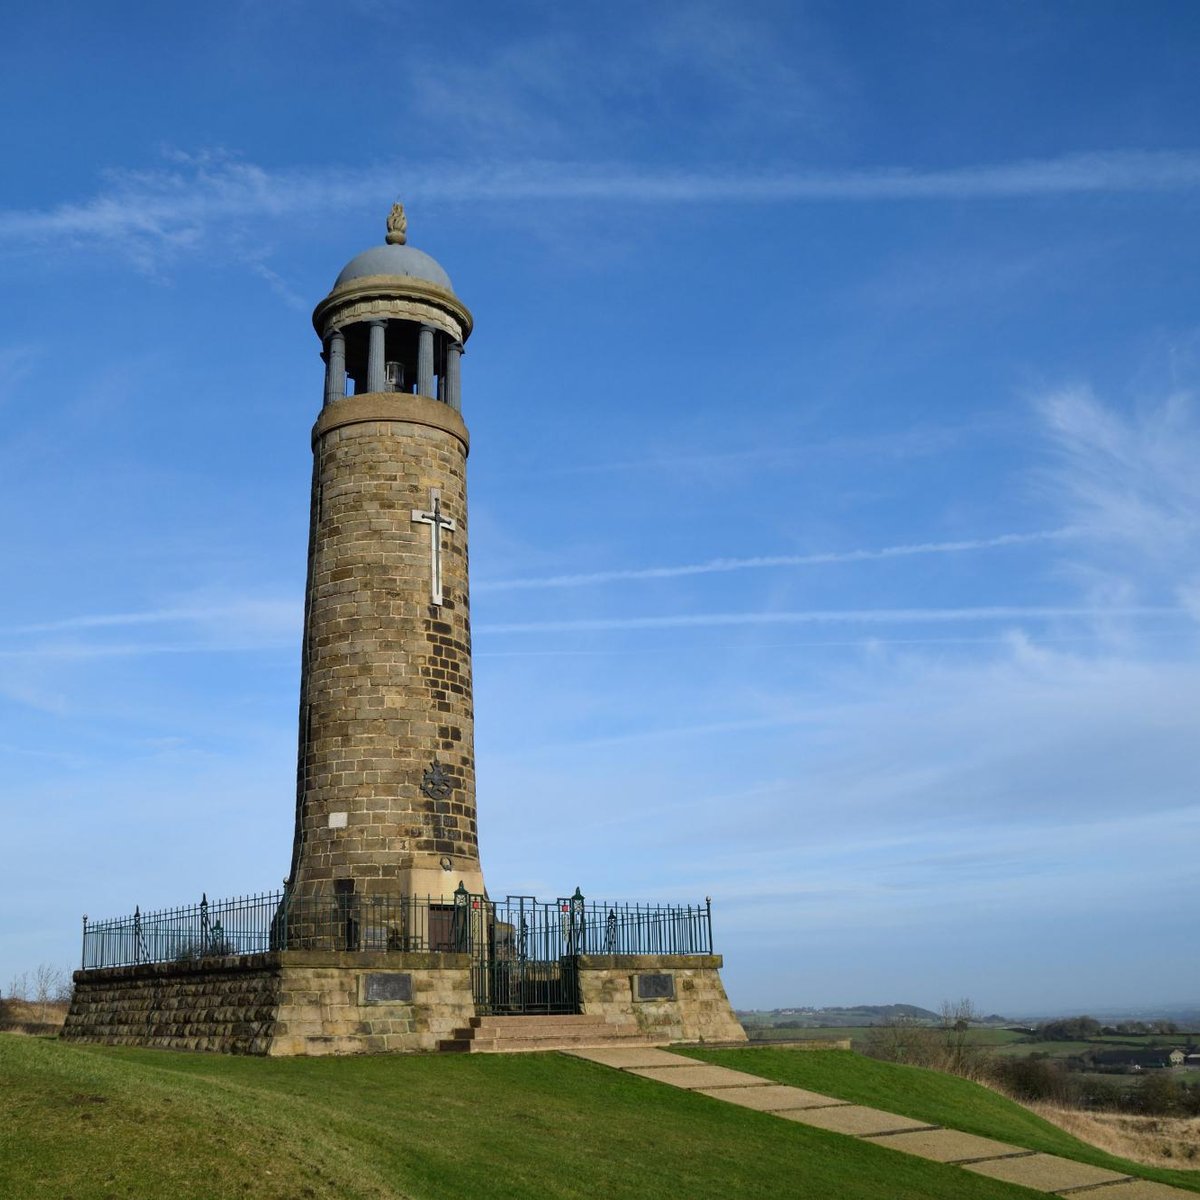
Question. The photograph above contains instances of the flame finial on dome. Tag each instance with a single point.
(397, 226)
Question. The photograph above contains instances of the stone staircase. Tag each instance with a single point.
(506, 1035)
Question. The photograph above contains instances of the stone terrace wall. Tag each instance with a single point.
(325, 1006)
(697, 1011)
(216, 1004)
(287, 1003)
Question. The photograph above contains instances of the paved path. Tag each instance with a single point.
(1012, 1164)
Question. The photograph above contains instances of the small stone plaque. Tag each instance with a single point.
(655, 987)
(390, 988)
(338, 820)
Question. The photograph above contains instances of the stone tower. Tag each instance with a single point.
(385, 797)
(374, 946)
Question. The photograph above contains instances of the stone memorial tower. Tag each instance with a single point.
(385, 797)
(384, 938)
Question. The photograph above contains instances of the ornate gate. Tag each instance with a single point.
(525, 959)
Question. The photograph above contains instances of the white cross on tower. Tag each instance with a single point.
(436, 522)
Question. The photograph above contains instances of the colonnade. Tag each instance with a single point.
(445, 387)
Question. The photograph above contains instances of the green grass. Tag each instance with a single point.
(928, 1096)
(79, 1122)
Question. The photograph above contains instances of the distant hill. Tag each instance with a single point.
(861, 1014)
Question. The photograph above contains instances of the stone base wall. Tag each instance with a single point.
(673, 997)
(225, 1004)
(326, 1003)
(312, 1002)
(293, 1002)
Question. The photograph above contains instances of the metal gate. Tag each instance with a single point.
(527, 960)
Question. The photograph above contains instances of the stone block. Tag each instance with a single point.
(856, 1120)
(628, 1056)
(949, 1145)
(1044, 1172)
(771, 1097)
(1140, 1189)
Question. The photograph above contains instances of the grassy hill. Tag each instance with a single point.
(81, 1122)
(928, 1096)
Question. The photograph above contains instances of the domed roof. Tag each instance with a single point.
(395, 258)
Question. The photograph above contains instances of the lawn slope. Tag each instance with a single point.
(79, 1122)
(928, 1096)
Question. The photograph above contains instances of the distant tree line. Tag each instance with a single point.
(1081, 1029)
(1154, 1095)
(47, 985)
(948, 1046)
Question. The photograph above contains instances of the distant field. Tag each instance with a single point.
(1053, 1049)
(89, 1122)
(859, 1034)
(1140, 1040)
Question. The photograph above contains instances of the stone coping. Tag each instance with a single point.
(391, 406)
(646, 962)
(370, 287)
(374, 960)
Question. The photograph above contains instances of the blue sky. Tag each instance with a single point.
(834, 499)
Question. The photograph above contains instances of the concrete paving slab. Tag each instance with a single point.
(949, 1145)
(1044, 1172)
(698, 1075)
(854, 1119)
(1138, 1189)
(774, 1097)
(630, 1056)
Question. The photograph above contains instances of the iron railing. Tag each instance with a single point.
(517, 930)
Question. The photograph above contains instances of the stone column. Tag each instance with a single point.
(454, 353)
(376, 380)
(335, 367)
(425, 361)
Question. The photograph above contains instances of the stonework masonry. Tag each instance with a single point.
(386, 682)
(288, 1003)
(320, 1003)
(699, 1010)
(385, 777)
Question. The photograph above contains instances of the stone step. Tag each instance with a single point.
(488, 1045)
(589, 1037)
(507, 1034)
(543, 1020)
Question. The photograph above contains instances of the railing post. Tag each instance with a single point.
(578, 923)
(83, 952)
(462, 918)
(708, 913)
(285, 904)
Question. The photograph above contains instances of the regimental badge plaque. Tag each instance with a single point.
(387, 987)
(654, 987)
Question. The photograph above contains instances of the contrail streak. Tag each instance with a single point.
(715, 565)
(861, 616)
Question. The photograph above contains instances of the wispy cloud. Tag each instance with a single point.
(274, 616)
(1131, 476)
(720, 565)
(179, 208)
(281, 288)
(894, 445)
(17, 367)
(858, 616)
(1128, 478)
